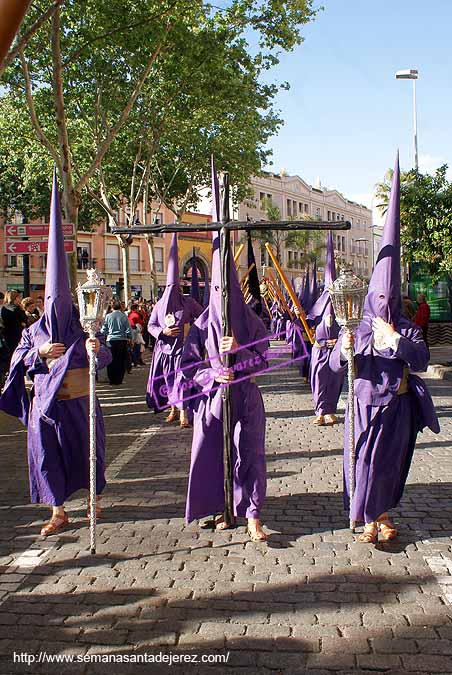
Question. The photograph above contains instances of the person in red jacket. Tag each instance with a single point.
(422, 316)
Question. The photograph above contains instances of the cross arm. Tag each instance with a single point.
(185, 228)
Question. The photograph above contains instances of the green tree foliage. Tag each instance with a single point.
(426, 220)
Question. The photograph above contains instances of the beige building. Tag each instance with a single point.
(297, 199)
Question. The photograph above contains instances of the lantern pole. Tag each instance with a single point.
(347, 296)
(93, 298)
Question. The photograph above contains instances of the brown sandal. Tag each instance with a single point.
(55, 525)
(387, 529)
(184, 423)
(319, 421)
(370, 534)
(221, 524)
(255, 532)
(330, 420)
(173, 416)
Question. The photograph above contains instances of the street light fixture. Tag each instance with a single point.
(411, 74)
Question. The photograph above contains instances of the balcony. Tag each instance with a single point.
(86, 263)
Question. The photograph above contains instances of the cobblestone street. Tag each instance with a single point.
(309, 600)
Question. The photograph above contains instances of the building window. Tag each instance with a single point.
(300, 207)
(329, 215)
(16, 261)
(112, 258)
(318, 213)
(342, 217)
(158, 252)
(289, 208)
(262, 200)
(343, 244)
(306, 208)
(295, 256)
(134, 258)
(84, 256)
(289, 257)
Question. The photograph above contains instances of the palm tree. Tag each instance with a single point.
(383, 189)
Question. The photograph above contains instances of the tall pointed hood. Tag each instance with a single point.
(306, 292)
(243, 319)
(313, 289)
(253, 278)
(194, 288)
(206, 296)
(171, 300)
(58, 305)
(323, 306)
(384, 297)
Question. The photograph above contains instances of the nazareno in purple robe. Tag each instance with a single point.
(165, 379)
(58, 430)
(201, 363)
(387, 420)
(326, 386)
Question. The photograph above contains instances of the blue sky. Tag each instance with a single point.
(346, 114)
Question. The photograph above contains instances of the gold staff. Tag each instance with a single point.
(292, 294)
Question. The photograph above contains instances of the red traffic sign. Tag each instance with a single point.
(40, 230)
(15, 247)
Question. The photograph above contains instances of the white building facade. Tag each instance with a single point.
(296, 199)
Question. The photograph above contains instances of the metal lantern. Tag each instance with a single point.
(347, 294)
(93, 299)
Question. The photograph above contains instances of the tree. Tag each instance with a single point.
(309, 243)
(426, 221)
(81, 72)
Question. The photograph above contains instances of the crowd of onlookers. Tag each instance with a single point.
(125, 331)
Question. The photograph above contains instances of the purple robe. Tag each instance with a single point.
(165, 378)
(58, 430)
(326, 386)
(387, 419)
(206, 481)
(386, 424)
(201, 362)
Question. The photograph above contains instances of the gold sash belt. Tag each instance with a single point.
(74, 385)
(403, 388)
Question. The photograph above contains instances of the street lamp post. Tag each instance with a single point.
(412, 75)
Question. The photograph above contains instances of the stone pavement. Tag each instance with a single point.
(310, 600)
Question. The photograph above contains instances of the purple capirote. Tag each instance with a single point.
(326, 386)
(58, 430)
(206, 481)
(387, 420)
(168, 350)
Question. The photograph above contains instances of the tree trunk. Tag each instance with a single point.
(154, 285)
(70, 208)
(125, 271)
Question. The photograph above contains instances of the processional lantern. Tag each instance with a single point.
(348, 293)
(93, 299)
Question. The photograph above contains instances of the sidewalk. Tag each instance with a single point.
(311, 600)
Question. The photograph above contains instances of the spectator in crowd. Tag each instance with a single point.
(422, 316)
(4, 354)
(136, 323)
(14, 320)
(39, 308)
(118, 334)
(29, 306)
(408, 308)
(2, 298)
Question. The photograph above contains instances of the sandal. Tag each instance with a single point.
(55, 525)
(173, 416)
(319, 421)
(330, 420)
(184, 423)
(98, 508)
(221, 524)
(255, 531)
(370, 534)
(387, 529)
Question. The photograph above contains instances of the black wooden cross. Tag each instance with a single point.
(225, 227)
